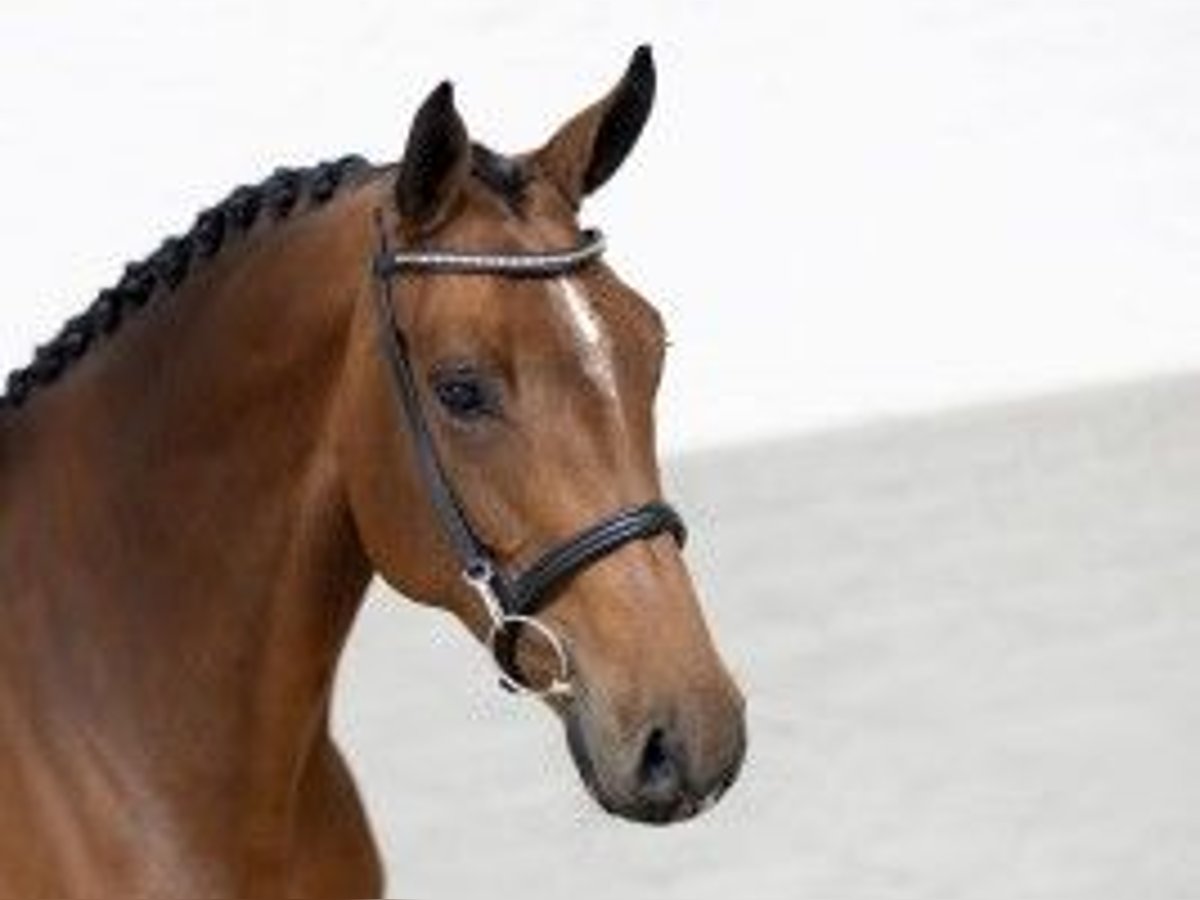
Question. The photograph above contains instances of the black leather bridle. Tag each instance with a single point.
(511, 600)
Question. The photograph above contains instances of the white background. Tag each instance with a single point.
(843, 208)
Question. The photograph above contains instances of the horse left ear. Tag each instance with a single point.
(585, 152)
(436, 161)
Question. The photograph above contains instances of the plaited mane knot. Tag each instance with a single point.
(282, 190)
(170, 263)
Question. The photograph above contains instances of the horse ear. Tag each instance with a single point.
(585, 152)
(436, 161)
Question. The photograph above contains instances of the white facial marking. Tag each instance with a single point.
(595, 348)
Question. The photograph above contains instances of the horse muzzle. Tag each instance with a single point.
(670, 769)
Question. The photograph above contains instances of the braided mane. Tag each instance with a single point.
(164, 270)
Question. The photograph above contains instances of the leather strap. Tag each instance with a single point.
(473, 557)
(537, 582)
(531, 264)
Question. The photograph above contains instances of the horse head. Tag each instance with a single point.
(531, 371)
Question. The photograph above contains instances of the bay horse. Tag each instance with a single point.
(421, 370)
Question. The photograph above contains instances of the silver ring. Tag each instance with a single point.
(559, 684)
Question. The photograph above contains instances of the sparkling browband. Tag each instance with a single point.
(553, 262)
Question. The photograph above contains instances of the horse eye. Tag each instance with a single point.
(463, 394)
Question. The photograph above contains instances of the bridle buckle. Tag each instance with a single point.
(480, 575)
(503, 632)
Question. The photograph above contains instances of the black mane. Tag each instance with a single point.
(165, 269)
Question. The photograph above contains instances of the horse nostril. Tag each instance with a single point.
(659, 775)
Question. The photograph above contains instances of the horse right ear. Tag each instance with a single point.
(585, 152)
(436, 161)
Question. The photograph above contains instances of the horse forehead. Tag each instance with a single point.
(562, 317)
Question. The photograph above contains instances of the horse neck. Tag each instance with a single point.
(178, 565)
